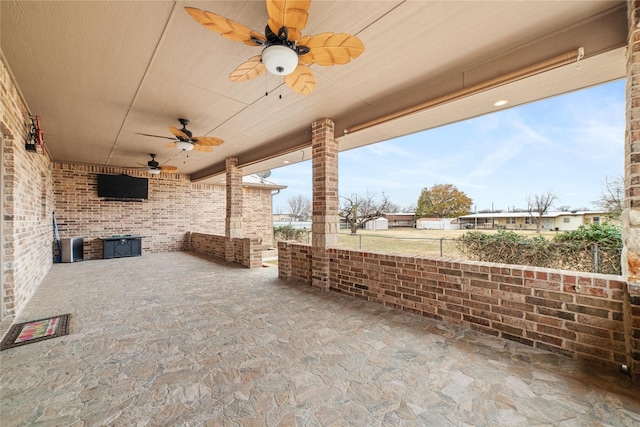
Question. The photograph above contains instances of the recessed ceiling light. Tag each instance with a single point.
(286, 161)
(500, 103)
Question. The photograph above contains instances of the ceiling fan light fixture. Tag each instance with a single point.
(154, 171)
(184, 145)
(279, 60)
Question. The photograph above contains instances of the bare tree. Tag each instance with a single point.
(357, 210)
(299, 207)
(393, 208)
(538, 204)
(612, 197)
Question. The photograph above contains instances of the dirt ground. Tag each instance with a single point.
(438, 234)
(410, 241)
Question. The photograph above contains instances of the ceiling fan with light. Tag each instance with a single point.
(184, 140)
(154, 168)
(284, 51)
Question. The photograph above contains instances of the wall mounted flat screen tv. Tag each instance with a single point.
(122, 187)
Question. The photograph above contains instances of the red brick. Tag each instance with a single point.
(558, 332)
(535, 336)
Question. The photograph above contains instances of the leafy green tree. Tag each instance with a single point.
(443, 201)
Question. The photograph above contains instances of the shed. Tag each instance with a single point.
(377, 224)
(436, 224)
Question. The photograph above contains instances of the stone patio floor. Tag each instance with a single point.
(176, 339)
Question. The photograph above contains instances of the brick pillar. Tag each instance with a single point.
(284, 260)
(325, 200)
(631, 213)
(233, 220)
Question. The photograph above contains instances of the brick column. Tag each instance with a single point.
(631, 213)
(233, 220)
(325, 200)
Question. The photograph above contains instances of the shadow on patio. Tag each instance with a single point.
(179, 339)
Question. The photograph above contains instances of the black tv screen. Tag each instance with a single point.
(122, 187)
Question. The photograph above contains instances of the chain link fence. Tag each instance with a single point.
(418, 246)
(565, 256)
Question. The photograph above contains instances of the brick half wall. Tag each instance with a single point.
(579, 315)
(247, 251)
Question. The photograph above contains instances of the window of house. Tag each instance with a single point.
(529, 220)
(596, 220)
(566, 220)
(511, 220)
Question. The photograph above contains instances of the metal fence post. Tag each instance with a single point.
(596, 261)
(360, 235)
(441, 240)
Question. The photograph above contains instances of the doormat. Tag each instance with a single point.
(36, 330)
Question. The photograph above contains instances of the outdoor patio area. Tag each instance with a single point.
(179, 339)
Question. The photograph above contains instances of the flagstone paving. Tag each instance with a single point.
(176, 339)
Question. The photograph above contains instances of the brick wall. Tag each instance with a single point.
(257, 214)
(27, 204)
(631, 213)
(294, 261)
(579, 315)
(207, 217)
(208, 244)
(163, 219)
(175, 206)
(246, 251)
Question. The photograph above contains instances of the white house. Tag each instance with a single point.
(558, 221)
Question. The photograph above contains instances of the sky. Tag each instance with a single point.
(568, 145)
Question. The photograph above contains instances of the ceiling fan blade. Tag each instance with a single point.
(302, 80)
(178, 133)
(207, 141)
(169, 169)
(330, 48)
(248, 70)
(142, 164)
(169, 145)
(202, 148)
(292, 14)
(154, 136)
(226, 27)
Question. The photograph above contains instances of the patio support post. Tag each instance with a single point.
(233, 220)
(631, 213)
(325, 200)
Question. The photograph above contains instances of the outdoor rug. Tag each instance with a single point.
(36, 330)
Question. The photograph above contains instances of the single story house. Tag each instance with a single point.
(401, 219)
(553, 221)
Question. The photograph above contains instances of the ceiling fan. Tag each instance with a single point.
(184, 140)
(284, 51)
(154, 167)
